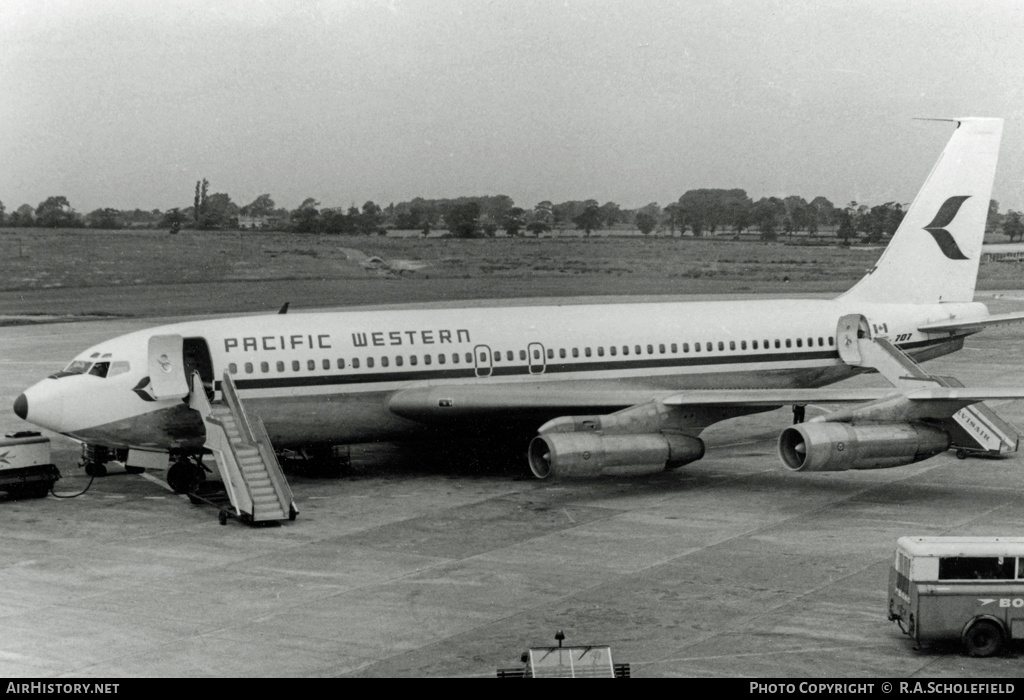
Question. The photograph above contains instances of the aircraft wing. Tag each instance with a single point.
(784, 397)
(459, 401)
(972, 325)
(438, 403)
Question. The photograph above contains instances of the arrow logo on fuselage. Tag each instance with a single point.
(947, 212)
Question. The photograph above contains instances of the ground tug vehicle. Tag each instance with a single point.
(25, 467)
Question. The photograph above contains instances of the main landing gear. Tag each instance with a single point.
(186, 474)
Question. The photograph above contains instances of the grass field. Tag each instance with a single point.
(135, 273)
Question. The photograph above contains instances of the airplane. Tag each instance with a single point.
(590, 389)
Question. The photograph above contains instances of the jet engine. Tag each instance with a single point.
(567, 455)
(836, 447)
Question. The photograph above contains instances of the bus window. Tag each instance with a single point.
(976, 568)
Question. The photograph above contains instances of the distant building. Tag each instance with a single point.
(253, 221)
(1002, 251)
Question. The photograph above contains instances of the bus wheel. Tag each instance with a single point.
(983, 638)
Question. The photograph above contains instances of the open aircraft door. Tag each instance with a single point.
(851, 328)
(167, 367)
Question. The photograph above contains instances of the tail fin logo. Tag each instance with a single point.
(947, 212)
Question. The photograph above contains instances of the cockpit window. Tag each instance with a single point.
(117, 368)
(100, 369)
(76, 367)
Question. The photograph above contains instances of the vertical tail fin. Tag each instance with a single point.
(934, 254)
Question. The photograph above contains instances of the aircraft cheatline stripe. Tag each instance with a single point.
(469, 371)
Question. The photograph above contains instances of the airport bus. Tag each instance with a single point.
(971, 588)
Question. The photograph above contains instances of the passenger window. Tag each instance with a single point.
(743, 345)
(575, 352)
(638, 349)
(613, 350)
(264, 367)
(248, 368)
(675, 348)
(721, 346)
(561, 352)
(341, 363)
(522, 354)
(369, 363)
(469, 357)
(551, 354)
(586, 351)
(398, 360)
(661, 348)
(600, 351)
(509, 356)
(830, 341)
(810, 342)
(754, 344)
(483, 358)
(799, 342)
(789, 343)
(696, 347)
(497, 356)
(426, 359)
(441, 359)
(732, 344)
(295, 365)
(412, 359)
(778, 343)
(625, 349)
(455, 358)
(232, 368)
(686, 347)
(536, 354)
(311, 365)
(326, 364)
(821, 341)
(710, 347)
(100, 369)
(355, 363)
(384, 361)
(650, 350)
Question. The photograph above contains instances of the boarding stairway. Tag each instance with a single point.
(255, 486)
(975, 429)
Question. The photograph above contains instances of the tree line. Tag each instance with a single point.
(697, 212)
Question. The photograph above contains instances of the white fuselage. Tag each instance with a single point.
(326, 377)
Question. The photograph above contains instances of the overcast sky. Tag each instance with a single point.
(126, 104)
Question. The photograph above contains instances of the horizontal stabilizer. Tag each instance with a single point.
(971, 325)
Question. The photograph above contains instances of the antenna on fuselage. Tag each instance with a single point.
(284, 309)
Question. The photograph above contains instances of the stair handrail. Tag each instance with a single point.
(198, 401)
(231, 396)
(255, 435)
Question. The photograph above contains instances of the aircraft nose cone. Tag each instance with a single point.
(21, 407)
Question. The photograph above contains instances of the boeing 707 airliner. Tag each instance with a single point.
(591, 388)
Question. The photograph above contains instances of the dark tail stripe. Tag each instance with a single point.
(947, 212)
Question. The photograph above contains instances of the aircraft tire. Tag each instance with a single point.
(983, 638)
(95, 469)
